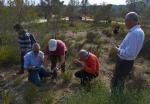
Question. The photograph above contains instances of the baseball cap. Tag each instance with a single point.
(52, 45)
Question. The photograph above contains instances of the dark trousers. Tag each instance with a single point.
(54, 60)
(36, 75)
(122, 70)
(84, 76)
(22, 60)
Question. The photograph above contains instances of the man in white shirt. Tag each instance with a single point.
(128, 50)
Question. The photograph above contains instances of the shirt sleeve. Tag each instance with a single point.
(26, 61)
(131, 48)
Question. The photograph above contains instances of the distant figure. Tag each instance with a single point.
(25, 40)
(89, 65)
(56, 52)
(127, 51)
(34, 64)
(116, 30)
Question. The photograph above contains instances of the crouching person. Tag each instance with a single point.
(33, 63)
(89, 65)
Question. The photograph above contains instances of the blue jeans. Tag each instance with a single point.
(36, 76)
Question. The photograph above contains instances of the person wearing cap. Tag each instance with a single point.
(127, 51)
(89, 65)
(25, 40)
(56, 51)
(34, 64)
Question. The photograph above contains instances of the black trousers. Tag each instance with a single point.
(22, 54)
(54, 60)
(84, 76)
(122, 70)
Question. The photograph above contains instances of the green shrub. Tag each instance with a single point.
(146, 48)
(99, 94)
(46, 98)
(91, 36)
(8, 55)
(30, 94)
(67, 76)
(7, 97)
(107, 32)
(112, 55)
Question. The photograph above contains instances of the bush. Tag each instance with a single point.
(146, 48)
(30, 94)
(107, 32)
(99, 94)
(112, 55)
(46, 98)
(67, 76)
(8, 55)
(91, 36)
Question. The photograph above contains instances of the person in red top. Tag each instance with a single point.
(89, 65)
(56, 51)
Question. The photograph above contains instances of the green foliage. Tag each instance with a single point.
(112, 55)
(92, 36)
(146, 48)
(99, 94)
(46, 98)
(67, 76)
(107, 32)
(8, 55)
(7, 98)
(30, 94)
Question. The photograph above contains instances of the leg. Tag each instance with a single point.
(22, 63)
(63, 65)
(35, 78)
(43, 73)
(54, 60)
(84, 77)
(123, 68)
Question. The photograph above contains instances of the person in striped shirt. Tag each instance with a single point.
(25, 40)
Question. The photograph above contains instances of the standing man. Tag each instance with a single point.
(127, 51)
(89, 65)
(33, 63)
(25, 40)
(56, 51)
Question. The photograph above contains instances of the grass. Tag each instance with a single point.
(7, 97)
(8, 55)
(46, 98)
(100, 94)
(67, 76)
(30, 94)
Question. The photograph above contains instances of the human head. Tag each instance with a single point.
(18, 27)
(84, 54)
(131, 19)
(36, 48)
(52, 45)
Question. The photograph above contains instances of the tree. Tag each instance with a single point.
(135, 5)
(84, 4)
(104, 12)
(72, 10)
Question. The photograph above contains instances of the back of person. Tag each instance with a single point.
(92, 64)
(60, 50)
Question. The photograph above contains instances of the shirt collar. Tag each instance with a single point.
(134, 27)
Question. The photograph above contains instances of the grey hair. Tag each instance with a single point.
(36, 45)
(84, 53)
(133, 16)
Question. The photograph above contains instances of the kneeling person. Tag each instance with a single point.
(34, 65)
(89, 65)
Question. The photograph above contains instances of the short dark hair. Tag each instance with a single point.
(18, 26)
